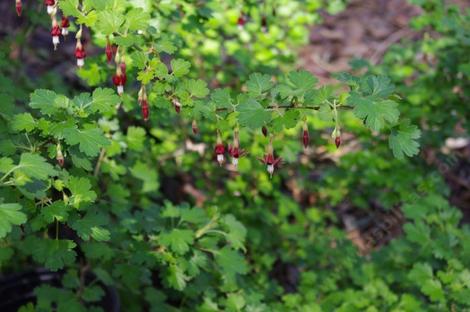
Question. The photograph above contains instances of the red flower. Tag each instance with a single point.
(219, 150)
(50, 5)
(235, 151)
(80, 53)
(241, 20)
(19, 7)
(55, 33)
(269, 160)
(65, 26)
(119, 80)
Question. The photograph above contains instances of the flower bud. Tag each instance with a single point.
(109, 50)
(305, 136)
(80, 53)
(264, 130)
(177, 106)
(194, 127)
(59, 155)
(338, 141)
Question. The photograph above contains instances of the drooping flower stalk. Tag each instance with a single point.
(55, 32)
(336, 134)
(65, 24)
(119, 79)
(234, 150)
(269, 159)
(18, 7)
(219, 149)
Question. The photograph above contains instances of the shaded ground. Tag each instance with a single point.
(366, 29)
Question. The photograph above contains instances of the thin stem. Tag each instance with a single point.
(98, 163)
(290, 107)
(9, 172)
(56, 229)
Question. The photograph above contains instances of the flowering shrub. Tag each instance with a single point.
(85, 189)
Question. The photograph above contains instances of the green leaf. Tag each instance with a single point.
(378, 86)
(221, 98)
(178, 240)
(35, 166)
(10, 215)
(231, 262)
(137, 19)
(403, 141)
(135, 138)
(109, 22)
(418, 233)
(54, 254)
(252, 114)
(180, 67)
(420, 273)
(176, 277)
(258, 83)
(433, 289)
(139, 59)
(91, 226)
(90, 140)
(22, 122)
(55, 211)
(236, 232)
(69, 7)
(302, 81)
(44, 101)
(148, 176)
(81, 191)
(376, 114)
(104, 100)
(197, 88)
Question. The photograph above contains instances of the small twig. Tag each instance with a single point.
(98, 163)
(221, 109)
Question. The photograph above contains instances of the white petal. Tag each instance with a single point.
(80, 62)
(120, 90)
(220, 158)
(270, 169)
